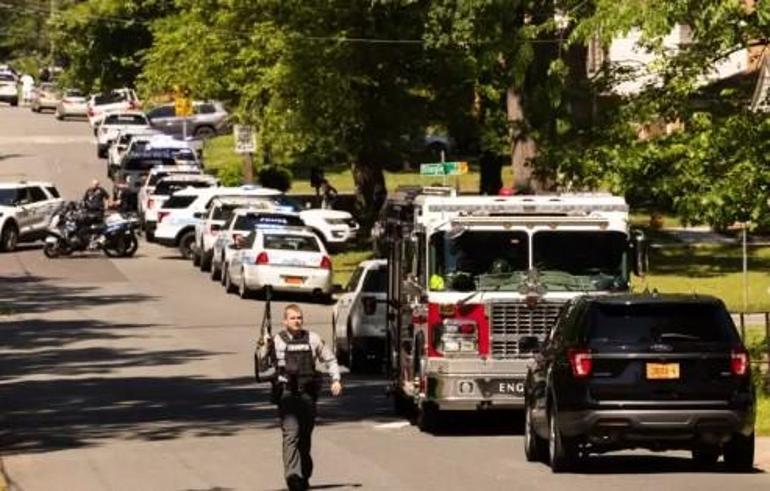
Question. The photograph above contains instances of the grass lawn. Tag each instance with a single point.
(762, 427)
(714, 270)
(345, 263)
(219, 155)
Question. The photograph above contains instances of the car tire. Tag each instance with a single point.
(243, 290)
(214, 272)
(186, 242)
(562, 451)
(205, 264)
(9, 238)
(149, 236)
(59, 116)
(196, 258)
(705, 456)
(204, 132)
(403, 406)
(354, 356)
(14, 102)
(739, 453)
(222, 273)
(535, 447)
(428, 417)
(227, 282)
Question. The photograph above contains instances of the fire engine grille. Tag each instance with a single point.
(512, 321)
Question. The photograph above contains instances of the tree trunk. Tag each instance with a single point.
(522, 145)
(370, 190)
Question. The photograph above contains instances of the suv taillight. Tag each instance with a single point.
(150, 202)
(326, 263)
(90, 112)
(581, 362)
(262, 258)
(162, 215)
(739, 362)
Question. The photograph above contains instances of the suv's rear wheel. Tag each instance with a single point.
(186, 244)
(739, 453)
(563, 451)
(535, 447)
(9, 238)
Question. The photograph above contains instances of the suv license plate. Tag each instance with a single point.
(293, 280)
(662, 371)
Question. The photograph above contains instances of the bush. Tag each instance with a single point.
(230, 174)
(275, 177)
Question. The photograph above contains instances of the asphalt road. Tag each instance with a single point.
(126, 374)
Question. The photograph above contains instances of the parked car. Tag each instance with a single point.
(183, 212)
(25, 210)
(358, 317)
(122, 144)
(114, 124)
(646, 370)
(73, 104)
(159, 172)
(117, 100)
(164, 189)
(208, 119)
(45, 96)
(335, 227)
(9, 88)
(211, 221)
(238, 225)
(288, 259)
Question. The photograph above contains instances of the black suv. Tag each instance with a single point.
(652, 371)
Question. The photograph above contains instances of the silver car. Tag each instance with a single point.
(45, 96)
(73, 104)
(358, 317)
(208, 119)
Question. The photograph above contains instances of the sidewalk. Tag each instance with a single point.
(762, 453)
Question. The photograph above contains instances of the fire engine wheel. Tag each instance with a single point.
(402, 405)
(535, 447)
(428, 417)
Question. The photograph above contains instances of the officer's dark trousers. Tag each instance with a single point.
(297, 413)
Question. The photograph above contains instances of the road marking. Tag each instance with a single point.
(395, 425)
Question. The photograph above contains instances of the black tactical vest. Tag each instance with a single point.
(300, 362)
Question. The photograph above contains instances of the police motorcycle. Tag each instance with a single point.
(72, 228)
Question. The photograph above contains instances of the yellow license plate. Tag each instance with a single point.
(293, 280)
(662, 371)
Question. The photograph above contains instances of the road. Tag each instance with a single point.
(125, 374)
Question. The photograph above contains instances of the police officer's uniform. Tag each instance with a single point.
(299, 382)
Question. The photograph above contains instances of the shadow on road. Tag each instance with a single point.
(646, 464)
(31, 294)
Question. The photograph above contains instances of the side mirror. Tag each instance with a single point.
(337, 289)
(529, 343)
(369, 304)
(199, 215)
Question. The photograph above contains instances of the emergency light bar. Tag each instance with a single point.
(531, 220)
(526, 208)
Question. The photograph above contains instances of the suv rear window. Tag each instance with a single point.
(668, 323)
(53, 191)
(125, 119)
(170, 187)
(110, 98)
(179, 201)
(285, 242)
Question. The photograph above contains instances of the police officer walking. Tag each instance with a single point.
(297, 353)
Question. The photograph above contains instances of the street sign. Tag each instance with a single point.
(183, 106)
(245, 139)
(444, 168)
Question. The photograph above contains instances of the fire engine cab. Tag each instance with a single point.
(476, 282)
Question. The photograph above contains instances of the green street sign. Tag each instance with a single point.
(444, 168)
